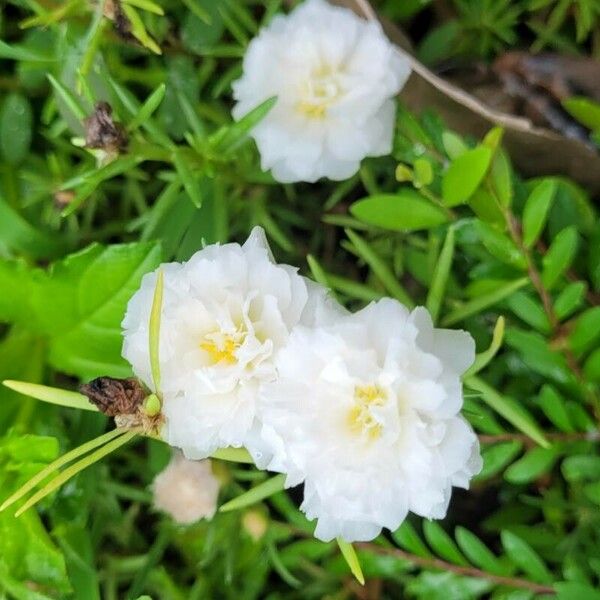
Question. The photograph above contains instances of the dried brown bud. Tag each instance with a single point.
(114, 12)
(102, 132)
(115, 396)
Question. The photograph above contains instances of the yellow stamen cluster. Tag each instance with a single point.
(360, 417)
(222, 347)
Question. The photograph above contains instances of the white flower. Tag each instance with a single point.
(366, 413)
(187, 490)
(335, 76)
(225, 314)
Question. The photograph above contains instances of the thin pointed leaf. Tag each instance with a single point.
(483, 358)
(59, 462)
(79, 466)
(239, 455)
(184, 170)
(51, 394)
(256, 494)
(351, 558)
(154, 331)
(381, 270)
(68, 98)
(435, 296)
(511, 411)
(150, 105)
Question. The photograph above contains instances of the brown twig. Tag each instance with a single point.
(436, 563)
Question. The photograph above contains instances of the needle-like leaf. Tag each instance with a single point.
(154, 331)
(50, 394)
(351, 558)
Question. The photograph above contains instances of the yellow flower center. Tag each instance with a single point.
(361, 420)
(319, 92)
(222, 347)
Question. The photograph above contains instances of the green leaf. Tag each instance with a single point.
(423, 173)
(581, 467)
(508, 409)
(478, 553)
(496, 457)
(501, 179)
(67, 98)
(536, 211)
(350, 557)
(317, 270)
(524, 557)
(532, 465)
(570, 299)
(154, 330)
(51, 395)
(484, 302)
(586, 331)
(381, 270)
(464, 175)
(575, 590)
(530, 310)
(435, 296)
(500, 246)
(560, 255)
(228, 139)
(255, 494)
(442, 543)
(453, 145)
(239, 455)
(58, 463)
(20, 235)
(554, 407)
(138, 29)
(79, 466)
(16, 122)
(591, 368)
(585, 110)
(405, 211)
(483, 358)
(13, 52)
(406, 537)
(80, 303)
(147, 109)
(185, 170)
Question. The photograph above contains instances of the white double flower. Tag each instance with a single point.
(362, 408)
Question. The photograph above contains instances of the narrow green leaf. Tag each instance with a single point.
(453, 145)
(185, 172)
(530, 310)
(483, 358)
(317, 270)
(576, 590)
(508, 409)
(478, 553)
(13, 52)
(484, 302)
(442, 543)
(535, 213)
(532, 465)
(435, 296)
(51, 395)
(464, 175)
(496, 457)
(138, 29)
(406, 537)
(560, 255)
(147, 109)
(154, 330)
(501, 179)
(570, 299)
(554, 407)
(586, 332)
(405, 211)
(79, 466)
(59, 462)
(585, 110)
(255, 494)
(423, 174)
(381, 270)
(239, 455)
(351, 558)
(524, 557)
(147, 5)
(500, 246)
(228, 139)
(65, 95)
